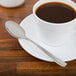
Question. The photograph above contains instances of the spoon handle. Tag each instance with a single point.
(57, 60)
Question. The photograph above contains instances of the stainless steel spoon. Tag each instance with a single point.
(17, 31)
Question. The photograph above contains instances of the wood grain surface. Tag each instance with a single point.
(14, 61)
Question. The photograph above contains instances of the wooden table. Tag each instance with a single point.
(14, 61)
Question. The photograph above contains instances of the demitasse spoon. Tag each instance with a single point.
(18, 32)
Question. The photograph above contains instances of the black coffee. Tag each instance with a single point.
(56, 12)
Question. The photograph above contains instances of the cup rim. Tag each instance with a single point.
(72, 4)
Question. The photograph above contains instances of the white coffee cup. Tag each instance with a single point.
(54, 34)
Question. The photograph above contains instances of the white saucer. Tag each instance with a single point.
(66, 52)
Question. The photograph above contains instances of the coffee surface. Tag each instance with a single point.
(56, 12)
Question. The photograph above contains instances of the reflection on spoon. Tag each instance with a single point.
(17, 31)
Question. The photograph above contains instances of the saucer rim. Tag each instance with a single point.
(19, 40)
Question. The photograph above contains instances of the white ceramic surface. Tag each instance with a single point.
(54, 34)
(66, 52)
(11, 3)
